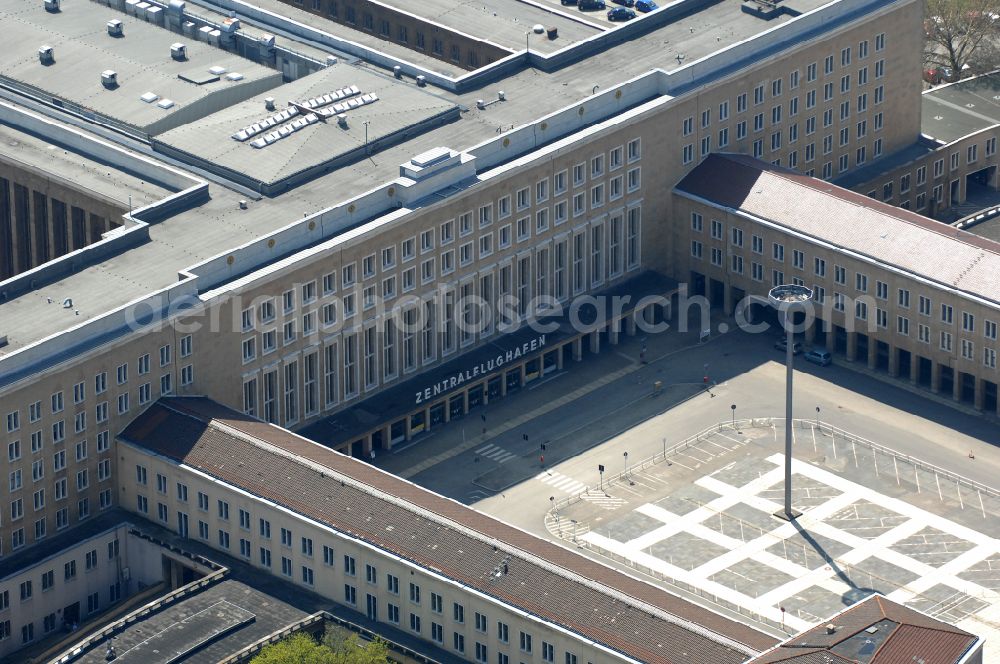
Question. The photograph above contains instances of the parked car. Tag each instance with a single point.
(645, 5)
(818, 356)
(591, 5)
(621, 14)
(568, 2)
(624, 3)
(781, 345)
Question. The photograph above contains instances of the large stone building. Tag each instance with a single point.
(319, 234)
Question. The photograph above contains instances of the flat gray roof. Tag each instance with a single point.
(398, 107)
(959, 109)
(219, 225)
(83, 49)
(501, 22)
(859, 176)
(98, 180)
(505, 22)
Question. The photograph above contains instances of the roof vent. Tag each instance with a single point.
(397, 71)
(269, 103)
(331, 60)
(342, 120)
(115, 28)
(3, 341)
(109, 79)
(68, 303)
(421, 80)
(46, 55)
(831, 628)
(267, 41)
(51, 5)
(178, 51)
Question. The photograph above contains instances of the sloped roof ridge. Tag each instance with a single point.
(172, 404)
(830, 190)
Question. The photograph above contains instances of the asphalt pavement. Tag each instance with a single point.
(493, 458)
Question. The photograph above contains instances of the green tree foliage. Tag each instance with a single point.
(962, 36)
(337, 647)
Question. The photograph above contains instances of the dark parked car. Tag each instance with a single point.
(624, 3)
(568, 2)
(621, 14)
(645, 5)
(591, 5)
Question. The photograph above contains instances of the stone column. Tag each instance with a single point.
(872, 352)
(578, 349)
(852, 346)
(914, 368)
(893, 361)
(935, 377)
(980, 393)
(559, 358)
(956, 385)
(595, 342)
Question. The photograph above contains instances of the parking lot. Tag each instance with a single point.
(596, 16)
(701, 521)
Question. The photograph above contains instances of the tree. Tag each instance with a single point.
(962, 35)
(346, 646)
(337, 647)
(299, 648)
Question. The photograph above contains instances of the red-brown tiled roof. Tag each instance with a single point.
(849, 221)
(912, 636)
(621, 612)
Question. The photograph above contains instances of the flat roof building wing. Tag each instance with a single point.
(83, 48)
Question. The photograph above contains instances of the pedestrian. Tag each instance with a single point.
(541, 459)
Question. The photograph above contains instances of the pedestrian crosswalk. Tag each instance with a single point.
(603, 500)
(494, 453)
(560, 481)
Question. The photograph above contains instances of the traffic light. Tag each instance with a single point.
(600, 467)
(543, 447)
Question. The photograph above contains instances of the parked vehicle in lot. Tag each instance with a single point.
(782, 345)
(591, 5)
(621, 14)
(818, 356)
(568, 2)
(624, 3)
(645, 5)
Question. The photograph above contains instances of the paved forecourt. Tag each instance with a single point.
(871, 522)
